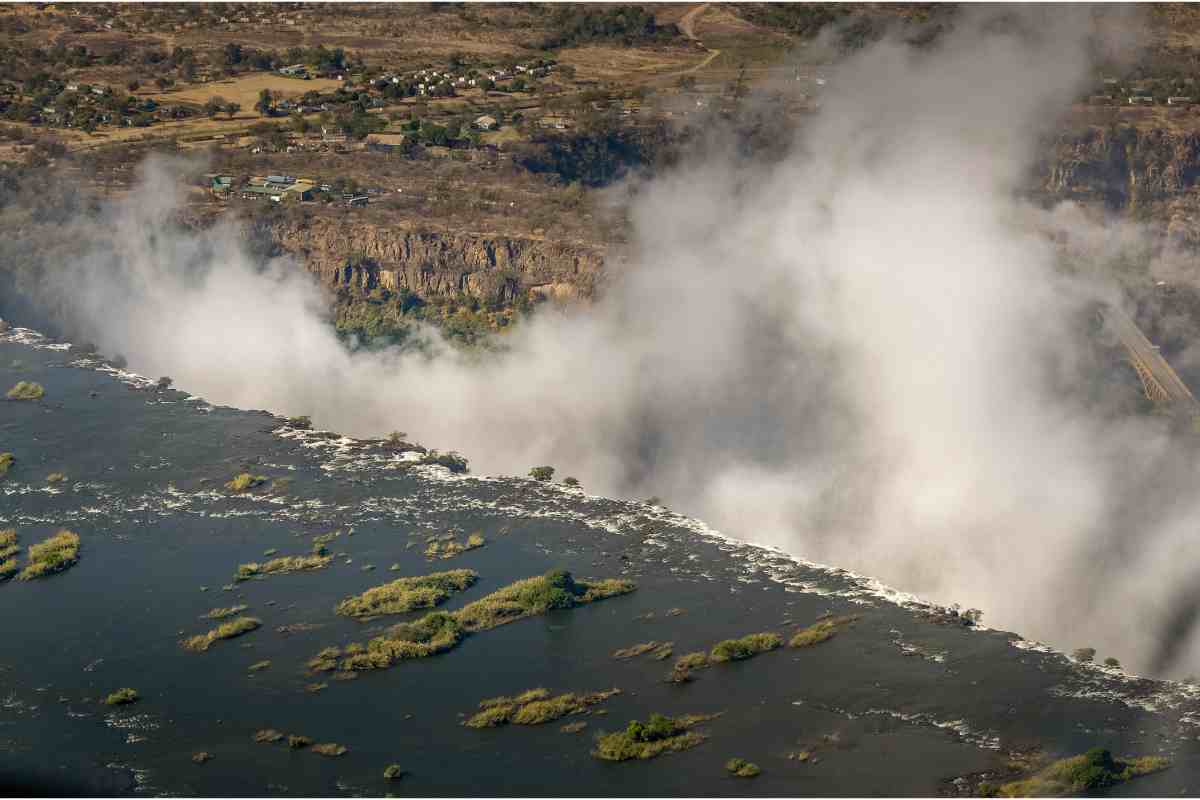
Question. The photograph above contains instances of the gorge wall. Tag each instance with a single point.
(364, 256)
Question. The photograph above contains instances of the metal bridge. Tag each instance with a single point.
(1162, 385)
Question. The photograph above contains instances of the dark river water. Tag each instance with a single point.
(900, 703)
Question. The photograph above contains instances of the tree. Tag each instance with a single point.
(266, 103)
(1084, 654)
(543, 474)
(215, 105)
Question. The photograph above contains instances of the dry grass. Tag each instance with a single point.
(282, 565)
(56, 554)
(236, 627)
(244, 90)
(534, 707)
(407, 594)
(222, 613)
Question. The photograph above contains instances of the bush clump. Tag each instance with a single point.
(407, 594)
(244, 482)
(297, 742)
(6, 461)
(8, 568)
(745, 647)
(56, 554)
(685, 665)
(299, 423)
(393, 772)
(55, 477)
(26, 390)
(1084, 654)
(820, 632)
(659, 735)
(268, 736)
(122, 697)
(228, 630)
(1094, 770)
(451, 461)
(741, 768)
(534, 707)
(544, 474)
(284, 564)
(440, 631)
(8, 543)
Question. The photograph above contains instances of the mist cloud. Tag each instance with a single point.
(864, 354)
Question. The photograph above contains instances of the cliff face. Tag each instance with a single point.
(364, 256)
(1121, 166)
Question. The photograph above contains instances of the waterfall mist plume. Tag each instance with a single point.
(863, 354)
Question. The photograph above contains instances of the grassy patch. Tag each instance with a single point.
(58, 553)
(268, 736)
(407, 594)
(244, 482)
(122, 697)
(222, 613)
(1094, 770)
(393, 772)
(741, 768)
(56, 477)
(650, 739)
(26, 390)
(298, 742)
(658, 648)
(745, 647)
(282, 565)
(8, 568)
(8, 543)
(258, 666)
(685, 665)
(534, 707)
(822, 631)
(451, 548)
(6, 461)
(228, 630)
(440, 631)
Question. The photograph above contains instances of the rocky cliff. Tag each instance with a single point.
(364, 256)
(1121, 166)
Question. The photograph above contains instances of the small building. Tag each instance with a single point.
(486, 122)
(1179, 101)
(358, 200)
(1141, 100)
(295, 70)
(221, 185)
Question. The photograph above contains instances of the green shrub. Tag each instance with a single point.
(1084, 654)
(55, 477)
(8, 543)
(8, 568)
(822, 631)
(236, 627)
(646, 740)
(393, 772)
(407, 594)
(299, 423)
(1088, 773)
(745, 647)
(451, 461)
(6, 461)
(26, 390)
(569, 481)
(1111, 662)
(122, 697)
(58, 553)
(741, 768)
(543, 474)
(244, 482)
(440, 631)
